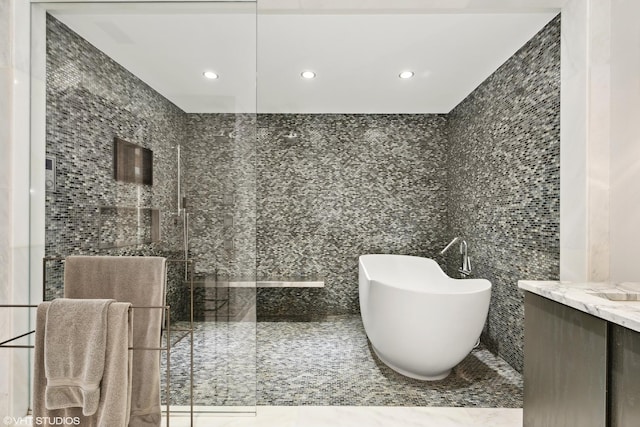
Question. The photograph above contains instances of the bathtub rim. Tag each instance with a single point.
(472, 286)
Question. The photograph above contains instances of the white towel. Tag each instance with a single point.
(74, 351)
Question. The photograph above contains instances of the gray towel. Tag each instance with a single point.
(140, 281)
(74, 350)
(115, 397)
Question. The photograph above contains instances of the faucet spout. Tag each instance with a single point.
(451, 243)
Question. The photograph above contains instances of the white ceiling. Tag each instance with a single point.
(357, 57)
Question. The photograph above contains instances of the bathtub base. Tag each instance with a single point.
(436, 377)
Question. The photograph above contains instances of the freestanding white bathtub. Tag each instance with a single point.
(421, 322)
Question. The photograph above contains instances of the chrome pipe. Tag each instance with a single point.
(179, 183)
(463, 247)
(465, 260)
(185, 230)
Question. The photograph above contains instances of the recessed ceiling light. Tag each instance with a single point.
(406, 74)
(308, 74)
(210, 75)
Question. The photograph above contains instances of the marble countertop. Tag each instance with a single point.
(584, 297)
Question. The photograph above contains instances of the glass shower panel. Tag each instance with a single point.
(149, 157)
(220, 188)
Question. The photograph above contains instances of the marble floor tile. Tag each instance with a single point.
(347, 416)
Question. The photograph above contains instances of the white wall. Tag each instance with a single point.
(6, 82)
(625, 140)
(600, 150)
(14, 201)
(598, 124)
(573, 134)
(585, 209)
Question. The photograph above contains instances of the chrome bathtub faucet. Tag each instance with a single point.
(465, 260)
(465, 269)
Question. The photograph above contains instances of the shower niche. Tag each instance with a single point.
(122, 226)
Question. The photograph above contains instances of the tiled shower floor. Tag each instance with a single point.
(328, 363)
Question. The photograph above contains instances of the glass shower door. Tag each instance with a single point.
(155, 80)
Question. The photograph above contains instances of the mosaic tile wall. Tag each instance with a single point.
(90, 100)
(504, 182)
(346, 185)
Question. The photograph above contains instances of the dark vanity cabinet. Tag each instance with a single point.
(624, 377)
(579, 370)
(565, 366)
